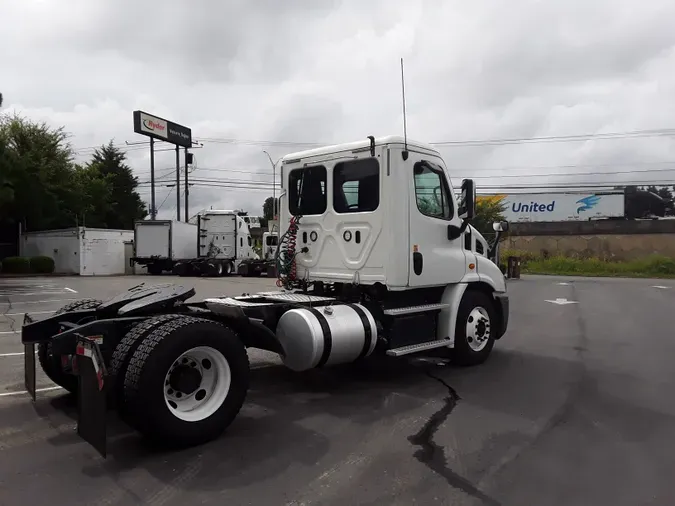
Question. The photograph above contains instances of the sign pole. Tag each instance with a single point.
(153, 212)
(166, 131)
(177, 183)
(187, 188)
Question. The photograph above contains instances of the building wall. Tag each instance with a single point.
(103, 251)
(618, 240)
(83, 251)
(61, 245)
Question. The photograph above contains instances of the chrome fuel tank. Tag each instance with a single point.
(326, 335)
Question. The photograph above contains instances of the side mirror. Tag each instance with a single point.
(466, 209)
(500, 226)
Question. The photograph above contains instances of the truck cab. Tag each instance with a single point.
(382, 212)
(270, 242)
(380, 217)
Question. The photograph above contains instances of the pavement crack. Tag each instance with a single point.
(433, 456)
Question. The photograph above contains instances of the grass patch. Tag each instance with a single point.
(656, 266)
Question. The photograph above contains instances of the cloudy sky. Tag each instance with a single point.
(280, 76)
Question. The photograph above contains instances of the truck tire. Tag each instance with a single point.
(228, 268)
(474, 335)
(155, 269)
(122, 355)
(51, 364)
(186, 382)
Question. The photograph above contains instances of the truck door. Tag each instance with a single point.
(434, 260)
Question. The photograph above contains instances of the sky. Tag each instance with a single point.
(248, 76)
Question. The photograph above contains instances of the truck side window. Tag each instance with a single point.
(307, 191)
(241, 242)
(432, 191)
(356, 186)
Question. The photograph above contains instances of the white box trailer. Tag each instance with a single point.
(567, 206)
(80, 250)
(159, 244)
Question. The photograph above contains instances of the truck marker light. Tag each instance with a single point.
(472, 266)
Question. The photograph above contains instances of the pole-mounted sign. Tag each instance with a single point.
(162, 129)
(173, 133)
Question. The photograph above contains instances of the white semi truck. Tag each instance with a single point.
(223, 242)
(266, 264)
(160, 244)
(373, 260)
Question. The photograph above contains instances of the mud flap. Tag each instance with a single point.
(29, 368)
(29, 361)
(92, 409)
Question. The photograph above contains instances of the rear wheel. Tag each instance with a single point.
(155, 269)
(186, 382)
(475, 329)
(122, 355)
(50, 363)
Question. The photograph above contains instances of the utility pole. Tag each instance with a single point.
(178, 182)
(274, 184)
(153, 211)
(188, 161)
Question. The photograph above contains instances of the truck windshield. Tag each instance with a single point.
(307, 191)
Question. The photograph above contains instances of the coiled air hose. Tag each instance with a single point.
(285, 255)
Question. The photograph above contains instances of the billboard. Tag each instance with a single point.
(527, 207)
(161, 129)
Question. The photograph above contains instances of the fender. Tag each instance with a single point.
(452, 295)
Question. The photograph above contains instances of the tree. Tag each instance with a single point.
(95, 192)
(268, 211)
(36, 165)
(268, 208)
(124, 205)
(488, 211)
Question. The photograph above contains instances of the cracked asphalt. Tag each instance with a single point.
(574, 407)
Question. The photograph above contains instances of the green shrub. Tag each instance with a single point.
(653, 266)
(16, 265)
(42, 265)
(525, 256)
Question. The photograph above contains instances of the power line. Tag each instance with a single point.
(165, 197)
(662, 132)
(472, 142)
(561, 138)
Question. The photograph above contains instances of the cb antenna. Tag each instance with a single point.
(405, 126)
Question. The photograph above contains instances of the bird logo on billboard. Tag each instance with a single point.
(587, 203)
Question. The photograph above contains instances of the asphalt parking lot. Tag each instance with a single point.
(574, 407)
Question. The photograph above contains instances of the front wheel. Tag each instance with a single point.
(475, 329)
(186, 382)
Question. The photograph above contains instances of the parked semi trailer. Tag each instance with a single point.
(161, 244)
(223, 242)
(383, 267)
(629, 203)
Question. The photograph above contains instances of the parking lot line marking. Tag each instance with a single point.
(47, 389)
(70, 290)
(16, 354)
(31, 312)
(36, 301)
(9, 332)
(22, 294)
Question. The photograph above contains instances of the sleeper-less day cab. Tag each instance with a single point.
(375, 256)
